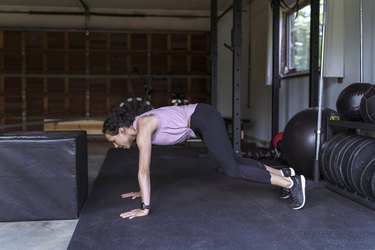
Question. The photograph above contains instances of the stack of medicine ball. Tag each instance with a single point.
(357, 103)
(348, 160)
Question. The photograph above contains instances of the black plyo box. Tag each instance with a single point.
(43, 175)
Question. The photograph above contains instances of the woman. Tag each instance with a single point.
(175, 124)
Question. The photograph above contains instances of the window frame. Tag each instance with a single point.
(284, 48)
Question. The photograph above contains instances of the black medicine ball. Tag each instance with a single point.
(367, 106)
(349, 101)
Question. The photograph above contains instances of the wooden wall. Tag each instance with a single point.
(74, 75)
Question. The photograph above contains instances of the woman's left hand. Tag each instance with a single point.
(133, 195)
(134, 213)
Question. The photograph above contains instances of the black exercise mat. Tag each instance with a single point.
(194, 207)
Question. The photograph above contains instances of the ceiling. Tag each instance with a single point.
(195, 5)
(111, 14)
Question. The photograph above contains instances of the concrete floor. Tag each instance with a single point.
(45, 235)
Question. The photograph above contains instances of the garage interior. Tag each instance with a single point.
(65, 65)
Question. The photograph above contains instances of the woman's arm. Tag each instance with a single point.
(146, 127)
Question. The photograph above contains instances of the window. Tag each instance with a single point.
(297, 40)
(296, 33)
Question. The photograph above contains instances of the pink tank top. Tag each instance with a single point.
(173, 124)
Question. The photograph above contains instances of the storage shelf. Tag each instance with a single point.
(353, 125)
(350, 125)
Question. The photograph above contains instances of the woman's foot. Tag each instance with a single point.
(286, 172)
(297, 192)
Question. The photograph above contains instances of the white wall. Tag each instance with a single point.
(260, 93)
(352, 50)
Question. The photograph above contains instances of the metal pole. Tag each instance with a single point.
(316, 174)
(314, 54)
(213, 52)
(276, 67)
(361, 40)
(237, 47)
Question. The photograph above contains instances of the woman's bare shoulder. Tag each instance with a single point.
(148, 122)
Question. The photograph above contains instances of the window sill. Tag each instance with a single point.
(295, 75)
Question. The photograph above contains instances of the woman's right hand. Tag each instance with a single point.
(133, 195)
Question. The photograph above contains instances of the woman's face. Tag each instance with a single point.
(123, 139)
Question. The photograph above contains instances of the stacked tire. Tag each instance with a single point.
(348, 161)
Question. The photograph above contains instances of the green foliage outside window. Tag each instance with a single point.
(298, 39)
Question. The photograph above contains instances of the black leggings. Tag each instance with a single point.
(207, 123)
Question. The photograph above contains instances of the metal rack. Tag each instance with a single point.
(351, 126)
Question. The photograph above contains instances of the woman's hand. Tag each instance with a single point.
(133, 195)
(134, 213)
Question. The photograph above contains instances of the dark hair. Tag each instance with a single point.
(118, 118)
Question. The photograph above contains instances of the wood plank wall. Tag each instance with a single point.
(74, 75)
